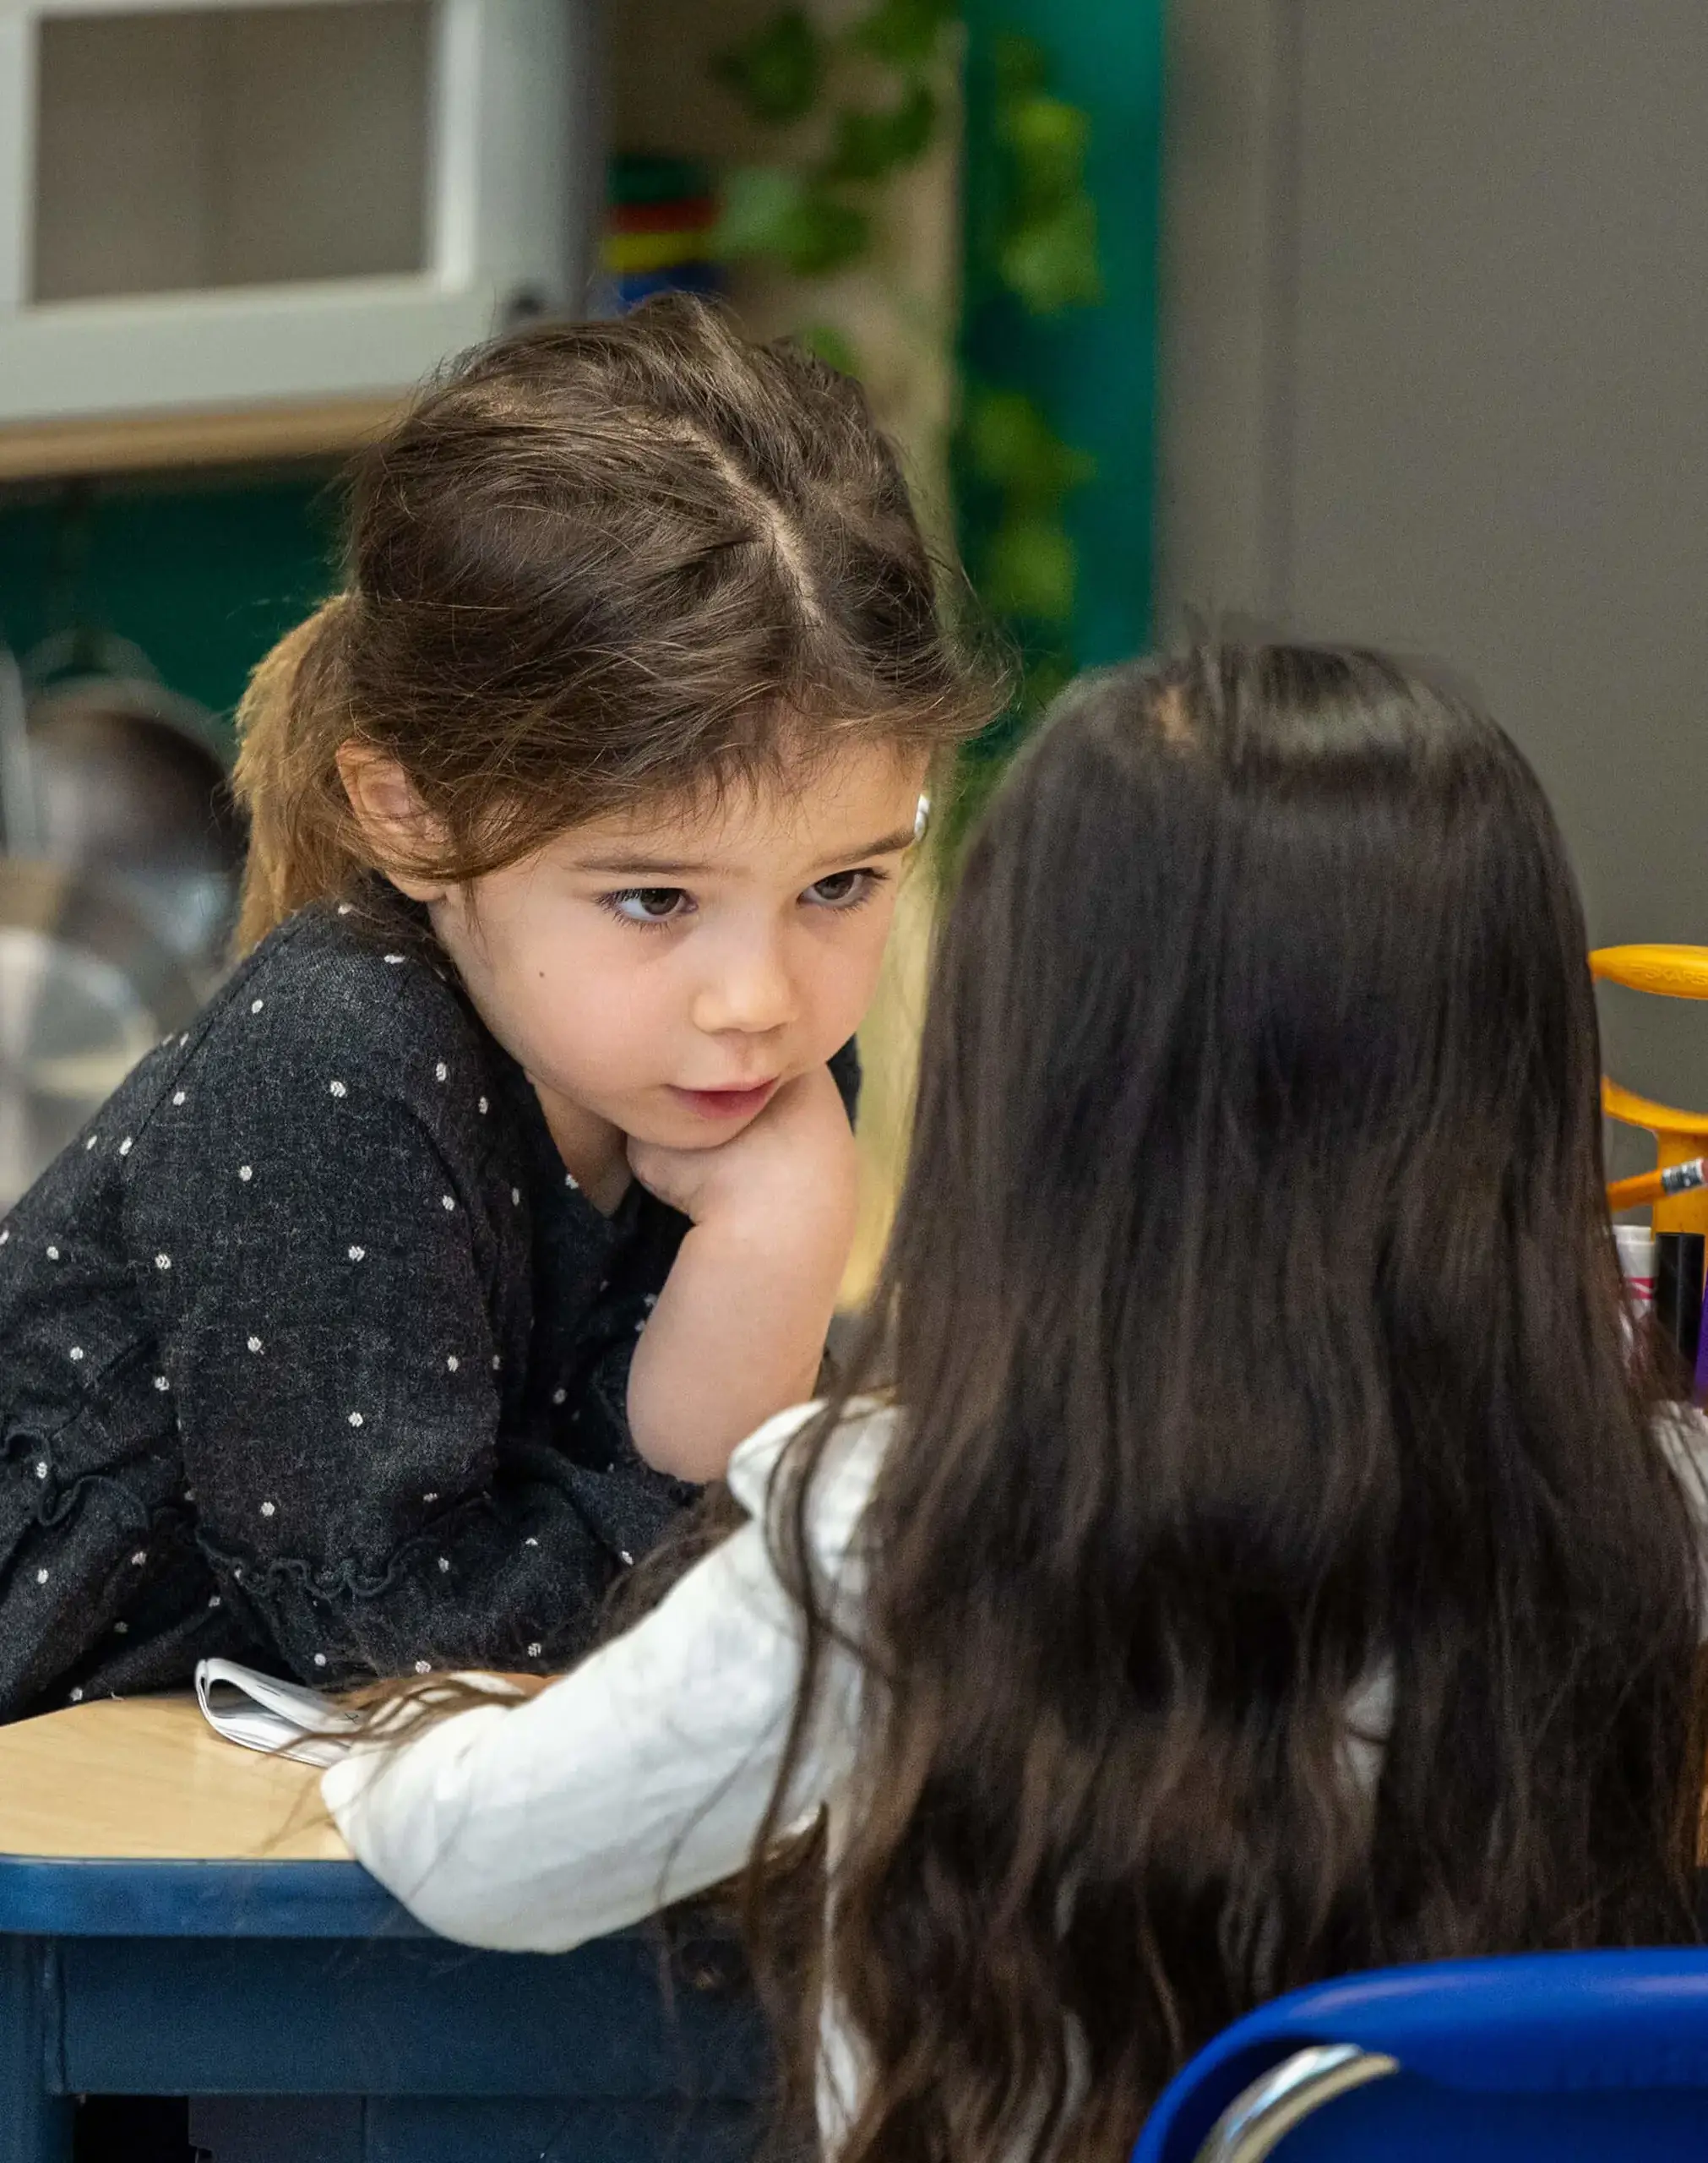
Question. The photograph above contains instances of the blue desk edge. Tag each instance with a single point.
(77, 1896)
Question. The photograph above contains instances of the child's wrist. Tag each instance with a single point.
(767, 1229)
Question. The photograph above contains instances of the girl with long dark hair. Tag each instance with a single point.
(1272, 1563)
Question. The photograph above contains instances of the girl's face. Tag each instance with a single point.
(668, 972)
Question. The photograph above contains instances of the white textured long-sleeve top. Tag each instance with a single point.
(643, 1775)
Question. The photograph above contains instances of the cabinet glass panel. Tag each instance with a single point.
(200, 149)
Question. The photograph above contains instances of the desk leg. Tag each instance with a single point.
(279, 2128)
(35, 2124)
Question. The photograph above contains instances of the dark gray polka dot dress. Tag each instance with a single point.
(311, 1352)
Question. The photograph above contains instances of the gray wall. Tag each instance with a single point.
(1436, 374)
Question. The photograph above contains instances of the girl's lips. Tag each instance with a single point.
(726, 1103)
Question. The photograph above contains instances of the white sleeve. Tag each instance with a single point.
(1683, 1434)
(638, 1778)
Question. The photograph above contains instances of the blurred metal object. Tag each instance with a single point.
(17, 792)
(111, 927)
(129, 784)
(85, 989)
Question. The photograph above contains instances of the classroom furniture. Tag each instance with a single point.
(1580, 2058)
(1669, 972)
(237, 229)
(178, 1917)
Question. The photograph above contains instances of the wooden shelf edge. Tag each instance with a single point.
(135, 443)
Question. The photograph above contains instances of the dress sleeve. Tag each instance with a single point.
(638, 1779)
(317, 1275)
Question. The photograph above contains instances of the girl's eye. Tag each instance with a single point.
(648, 904)
(843, 889)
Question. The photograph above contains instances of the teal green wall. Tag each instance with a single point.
(1093, 369)
(204, 578)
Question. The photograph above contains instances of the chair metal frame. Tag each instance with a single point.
(1262, 2115)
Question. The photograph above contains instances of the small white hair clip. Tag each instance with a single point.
(921, 817)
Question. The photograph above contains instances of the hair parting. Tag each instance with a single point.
(593, 567)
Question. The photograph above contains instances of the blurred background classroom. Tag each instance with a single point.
(1353, 319)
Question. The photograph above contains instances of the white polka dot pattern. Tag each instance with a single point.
(417, 1141)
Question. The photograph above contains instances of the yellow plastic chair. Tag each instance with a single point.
(1673, 972)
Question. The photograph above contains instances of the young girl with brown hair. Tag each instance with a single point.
(382, 1319)
(1272, 1563)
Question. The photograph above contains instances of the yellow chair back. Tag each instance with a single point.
(1673, 972)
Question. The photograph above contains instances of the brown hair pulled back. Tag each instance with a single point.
(597, 564)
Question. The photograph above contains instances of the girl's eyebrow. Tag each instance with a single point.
(651, 866)
(889, 845)
(643, 867)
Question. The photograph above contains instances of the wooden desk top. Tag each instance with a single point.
(147, 1779)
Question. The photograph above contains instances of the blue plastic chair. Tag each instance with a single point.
(1565, 2057)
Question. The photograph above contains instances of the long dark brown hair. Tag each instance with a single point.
(596, 563)
(1279, 1573)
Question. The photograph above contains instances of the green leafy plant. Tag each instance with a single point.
(1038, 246)
(1046, 244)
(817, 212)
(813, 214)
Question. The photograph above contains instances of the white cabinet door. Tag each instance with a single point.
(230, 205)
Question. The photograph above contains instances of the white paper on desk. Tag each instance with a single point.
(259, 1712)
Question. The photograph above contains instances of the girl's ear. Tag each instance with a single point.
(395, 828)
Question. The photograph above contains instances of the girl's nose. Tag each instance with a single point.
(749, 992)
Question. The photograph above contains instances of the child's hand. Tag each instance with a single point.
(738, 1332)
(796, 1158)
